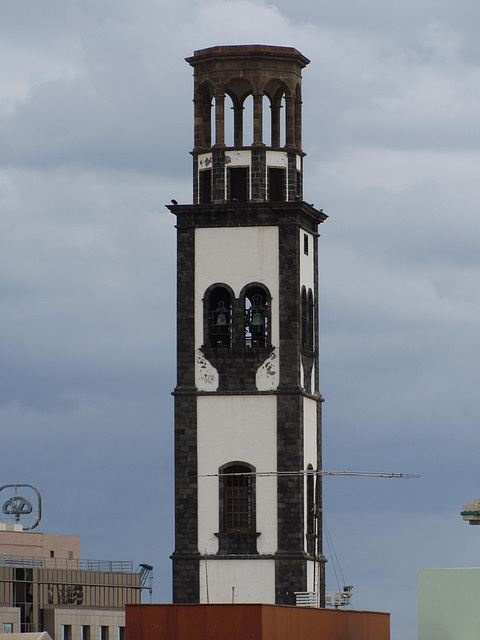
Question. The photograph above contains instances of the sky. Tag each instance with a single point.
(96, 126)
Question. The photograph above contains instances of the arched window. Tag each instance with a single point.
(247, 134)
(230, 119)
(311, 320)
(238, 483)
(304, 321)
(239, 128)
(203, 116)
(310, 510)
(257, 316)
(237, 519)
(267, 119)
(219, 317)
(307, 328)
(276, 90)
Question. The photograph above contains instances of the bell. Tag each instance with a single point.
(257, 324)
(221, 320)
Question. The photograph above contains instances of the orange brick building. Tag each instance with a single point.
(252, 622)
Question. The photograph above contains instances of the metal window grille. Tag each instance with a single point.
(238, 501)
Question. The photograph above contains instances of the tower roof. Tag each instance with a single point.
(247, 51)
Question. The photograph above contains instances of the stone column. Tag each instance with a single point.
(298, 124)
(220, 121)
(290, 122)
(258, 120)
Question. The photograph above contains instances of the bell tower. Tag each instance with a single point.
(247, 403)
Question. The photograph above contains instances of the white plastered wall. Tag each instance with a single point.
(312, 578)
(236, 256)
(310, 432)
(307, 271)
(251, 580)
(238, 158)
(277, 159)
(236, 428)
(309, 446)
(205, 161)
(307, 280)
(243, 158)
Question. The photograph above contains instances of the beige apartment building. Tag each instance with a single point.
(45, 586)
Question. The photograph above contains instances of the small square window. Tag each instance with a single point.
(305, 244)
(8, 627)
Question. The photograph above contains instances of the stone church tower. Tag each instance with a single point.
(247, 403)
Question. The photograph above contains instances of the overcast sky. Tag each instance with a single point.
(96, 123)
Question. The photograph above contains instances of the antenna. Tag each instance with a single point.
(313, 472)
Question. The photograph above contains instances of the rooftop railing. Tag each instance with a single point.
(116, 566)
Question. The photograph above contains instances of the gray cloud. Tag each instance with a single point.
(96, 126)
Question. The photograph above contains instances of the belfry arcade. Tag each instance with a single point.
(248, 128)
